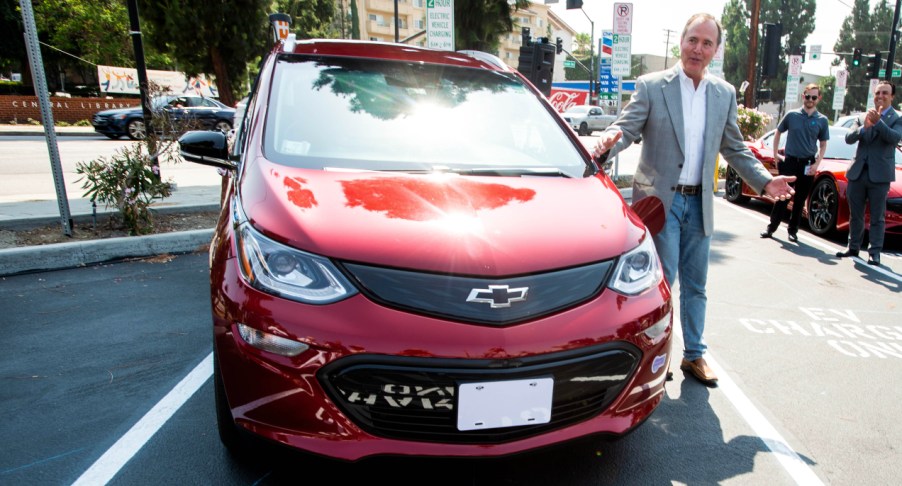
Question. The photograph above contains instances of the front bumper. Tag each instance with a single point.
(381, 381)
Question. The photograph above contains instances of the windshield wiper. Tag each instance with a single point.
(508, 171)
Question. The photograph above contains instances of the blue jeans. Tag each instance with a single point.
(684, 248)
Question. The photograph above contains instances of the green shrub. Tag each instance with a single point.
(751, 122)
(129, 182)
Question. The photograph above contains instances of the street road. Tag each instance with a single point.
(26, 173)
(808, 348)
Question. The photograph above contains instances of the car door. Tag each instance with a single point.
(204, 111)
(595, 119)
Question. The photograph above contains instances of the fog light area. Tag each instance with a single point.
(269, 342)
(656, 330)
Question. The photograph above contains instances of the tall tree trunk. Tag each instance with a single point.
(223, 81)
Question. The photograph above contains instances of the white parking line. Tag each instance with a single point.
(785, 455)
(112, 461)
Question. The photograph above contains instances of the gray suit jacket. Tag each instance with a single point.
(656, 113)
(876, 148)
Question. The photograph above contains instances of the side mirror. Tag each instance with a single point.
(651, 210)
(206, 148)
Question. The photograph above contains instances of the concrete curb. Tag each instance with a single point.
(78, 254)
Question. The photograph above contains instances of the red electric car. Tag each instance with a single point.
(827, 210)
(417, 256)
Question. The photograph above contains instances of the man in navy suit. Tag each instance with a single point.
(872, 171)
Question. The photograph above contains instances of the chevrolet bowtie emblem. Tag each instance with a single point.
(498, 296)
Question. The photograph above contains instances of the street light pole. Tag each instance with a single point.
(592, 74)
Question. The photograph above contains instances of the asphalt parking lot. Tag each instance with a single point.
(109, 381)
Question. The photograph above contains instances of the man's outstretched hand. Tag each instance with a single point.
(779, 188)
(607, 140)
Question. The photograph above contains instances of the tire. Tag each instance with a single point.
(733, 188)
(136, 130)
(222, 126)
(112, 136)
(229, 434)
(583, 129)
(823, 207)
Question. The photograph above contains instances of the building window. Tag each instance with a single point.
(419, 24)
(376, 39)
(539, 22)
(418, 3)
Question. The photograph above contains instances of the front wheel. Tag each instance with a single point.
(135, 130)
(223, 126)
(823, 207)
(733, 187)
(583, 129)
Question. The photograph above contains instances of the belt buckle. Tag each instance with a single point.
(687, 190)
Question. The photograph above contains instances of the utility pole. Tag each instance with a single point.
(667, 45)
(893, 39)
(751, 94)
(143, 85)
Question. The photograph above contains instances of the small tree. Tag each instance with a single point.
(130, 179)
(751, 122)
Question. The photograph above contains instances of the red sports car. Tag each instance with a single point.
(417, 256)
(826, 209)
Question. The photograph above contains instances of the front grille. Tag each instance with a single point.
(416, 398)
(99, 121)
(497, 301)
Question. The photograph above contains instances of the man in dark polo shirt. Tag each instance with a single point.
(805, 146)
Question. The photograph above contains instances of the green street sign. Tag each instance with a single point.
(896, 73)
(570, 64)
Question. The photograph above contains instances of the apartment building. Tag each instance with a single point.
(377, 24)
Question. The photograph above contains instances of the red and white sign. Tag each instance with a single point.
(623, 18)
(562, 99)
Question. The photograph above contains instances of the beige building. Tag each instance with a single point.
(376, 24)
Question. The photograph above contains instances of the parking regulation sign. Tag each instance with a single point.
(440, 24)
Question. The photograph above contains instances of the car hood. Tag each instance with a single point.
(441, 223)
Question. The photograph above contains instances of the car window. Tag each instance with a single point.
(397, 115)
(207, 103)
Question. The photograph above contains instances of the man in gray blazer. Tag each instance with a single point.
(685, 118)
(872, 171)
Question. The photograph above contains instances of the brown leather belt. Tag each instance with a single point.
(688, 190)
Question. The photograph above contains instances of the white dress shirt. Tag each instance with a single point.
(694, 107)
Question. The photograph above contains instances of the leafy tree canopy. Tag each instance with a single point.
(797, 18)
(868, 31)
(479, 24)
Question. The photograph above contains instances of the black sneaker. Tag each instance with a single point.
(766, 234)
(847, 253)
(793, 238)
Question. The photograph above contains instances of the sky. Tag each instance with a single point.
(652, 18)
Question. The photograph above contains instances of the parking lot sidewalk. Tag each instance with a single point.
(26, 129)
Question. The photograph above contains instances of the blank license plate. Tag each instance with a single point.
(495, 404)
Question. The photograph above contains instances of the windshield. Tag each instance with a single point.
(330, 112)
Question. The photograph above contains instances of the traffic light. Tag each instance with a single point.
(559, 45)
(536, 63)
(856, 57)
(772, 33)
(571, 4)
(802, 52)
(874, 66)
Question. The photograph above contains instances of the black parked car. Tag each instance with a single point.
(198, 112)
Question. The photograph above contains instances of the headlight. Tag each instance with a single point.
(638, 269)
(120, 117)
(281, 270)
